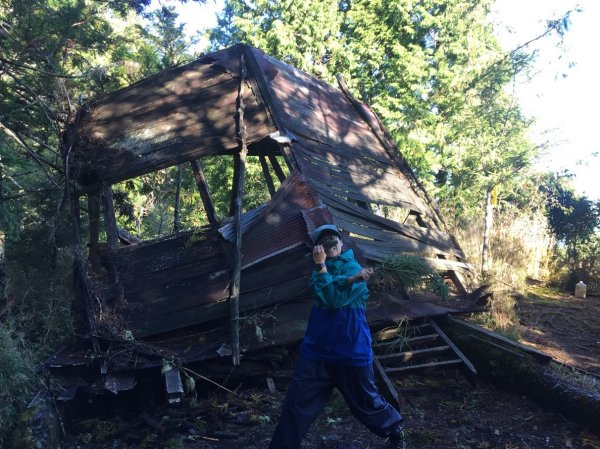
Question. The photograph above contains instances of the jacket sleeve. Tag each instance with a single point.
(334, 291)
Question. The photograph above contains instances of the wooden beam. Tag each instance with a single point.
(278, 170)
(94, 219)
(271, 105)
(112, 240)
(110, 222)
(234, 299)
(177, 201)
(82, 267)
(412, 340)
(234, 184)
(267, 174)
(390, 390)
(541, 356)
(204, 191)
(417, 353)
(468, 365)
(454, 363)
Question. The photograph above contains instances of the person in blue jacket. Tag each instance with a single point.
(336, 350)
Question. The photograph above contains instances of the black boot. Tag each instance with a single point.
(397, 440)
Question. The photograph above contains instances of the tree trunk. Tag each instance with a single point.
(489, 221)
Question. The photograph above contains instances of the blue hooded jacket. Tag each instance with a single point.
(337, 329)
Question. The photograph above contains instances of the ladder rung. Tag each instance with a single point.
(425, 366)
(418, 353)
(401, 341)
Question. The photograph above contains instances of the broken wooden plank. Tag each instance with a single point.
(503, 341)
(430, 236)
(390, 391)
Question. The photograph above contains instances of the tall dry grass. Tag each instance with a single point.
(521, 248)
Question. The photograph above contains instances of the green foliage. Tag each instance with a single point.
(573, 218)
(403, 273)
(167, 37)
(145, 206)
(16, 377)
(575, 221)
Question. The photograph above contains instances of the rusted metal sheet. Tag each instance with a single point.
(280, 225)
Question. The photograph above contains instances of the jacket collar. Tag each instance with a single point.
(345, 256)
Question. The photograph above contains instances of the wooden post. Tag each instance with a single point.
(112, 239)
(234, 299)
(234, 184)
(94, 219)
(204, 192)
(278, 170)
(177, 201)
(110, 223)
(267, 173)
(81, 266)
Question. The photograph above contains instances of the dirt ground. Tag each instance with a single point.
(563, 326)
(441, 410)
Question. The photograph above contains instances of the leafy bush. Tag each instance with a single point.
(16, 377)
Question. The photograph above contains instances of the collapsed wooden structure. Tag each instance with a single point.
(239, 283)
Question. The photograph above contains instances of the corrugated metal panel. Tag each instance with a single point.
(280, 225)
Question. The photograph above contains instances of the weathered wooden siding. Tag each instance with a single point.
(347, 164)
(175, 116)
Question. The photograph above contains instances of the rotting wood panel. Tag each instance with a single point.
(177, 282)
(435, 241)
(372, 180)
(433, 237)
(155, 147)
(202, 298)
(325, 115)
(205, 67)
(304, 89)
(165, 120)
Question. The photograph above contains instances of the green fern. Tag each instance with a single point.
(402, 273)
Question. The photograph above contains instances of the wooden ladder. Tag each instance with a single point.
(420, 348)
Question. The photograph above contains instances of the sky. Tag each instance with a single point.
(562, 95)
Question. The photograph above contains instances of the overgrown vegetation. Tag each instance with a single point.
(16, 377)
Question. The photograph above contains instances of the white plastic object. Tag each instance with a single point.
(580, 290)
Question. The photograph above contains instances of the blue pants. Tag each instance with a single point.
(310, 389)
